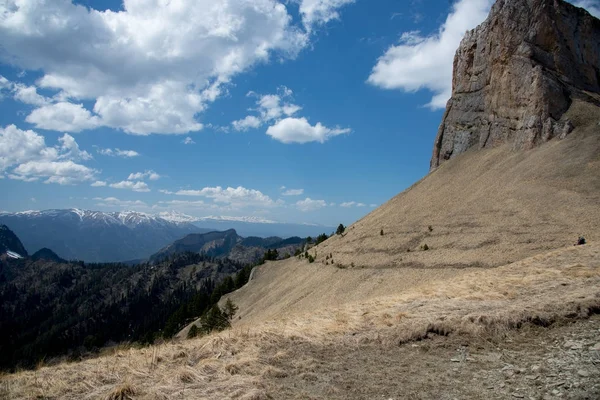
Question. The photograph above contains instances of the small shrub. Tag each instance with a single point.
(340, 229)
(193, 332)
(229, 309)
(430, 228)
(381, 232)
(425, 247)
(311, 259)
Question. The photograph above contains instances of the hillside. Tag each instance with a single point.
(486, 208)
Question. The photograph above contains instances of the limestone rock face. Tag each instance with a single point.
(517, 73)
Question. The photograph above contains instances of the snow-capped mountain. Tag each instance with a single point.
(96, 236)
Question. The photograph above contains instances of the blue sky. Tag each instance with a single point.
(307, 111)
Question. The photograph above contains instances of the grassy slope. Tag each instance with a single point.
(501, 256)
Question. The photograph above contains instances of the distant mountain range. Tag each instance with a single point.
(250, 226)
(95, 236)
(230, 245)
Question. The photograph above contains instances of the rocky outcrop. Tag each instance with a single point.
(517, 74)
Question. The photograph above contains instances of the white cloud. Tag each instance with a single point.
(425, 62)
(117, 153)
(18, 146)
(299, 130)
(114, 202)
(25, 156)
(293, 192)
(5, 83)
(309, 204)
(70, 146)
(98, 184)
(153, 176)
(318, 12)
(372, 205)
(349, 204)
(61, 172)
(29, 95)
(270, 107)
(593, 6)
(64, 117)
(188, 140)
(135, 186)
(166, 191)
(250, 122)
(237, 197)
(150, 67)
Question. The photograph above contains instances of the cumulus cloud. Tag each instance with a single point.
(152, 66)
(131, 185)
(98, 184)
(318, 12)
(425, 62)
(29, 95)
(25, 156)
(153, 176)
(61, 172)
(65, 117)
(117, 153)
(293, 192)
(18, 146)
(299, 130)
(309, 204)
(188, 140)
(238, 197)
(269, 107)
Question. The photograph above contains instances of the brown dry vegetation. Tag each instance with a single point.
(501, 261)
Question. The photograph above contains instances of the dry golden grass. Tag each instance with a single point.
(232, 365)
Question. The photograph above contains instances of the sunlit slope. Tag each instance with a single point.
(485, 209)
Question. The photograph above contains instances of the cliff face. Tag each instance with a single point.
(516, 74)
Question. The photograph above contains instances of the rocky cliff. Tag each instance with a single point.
(517, 74)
